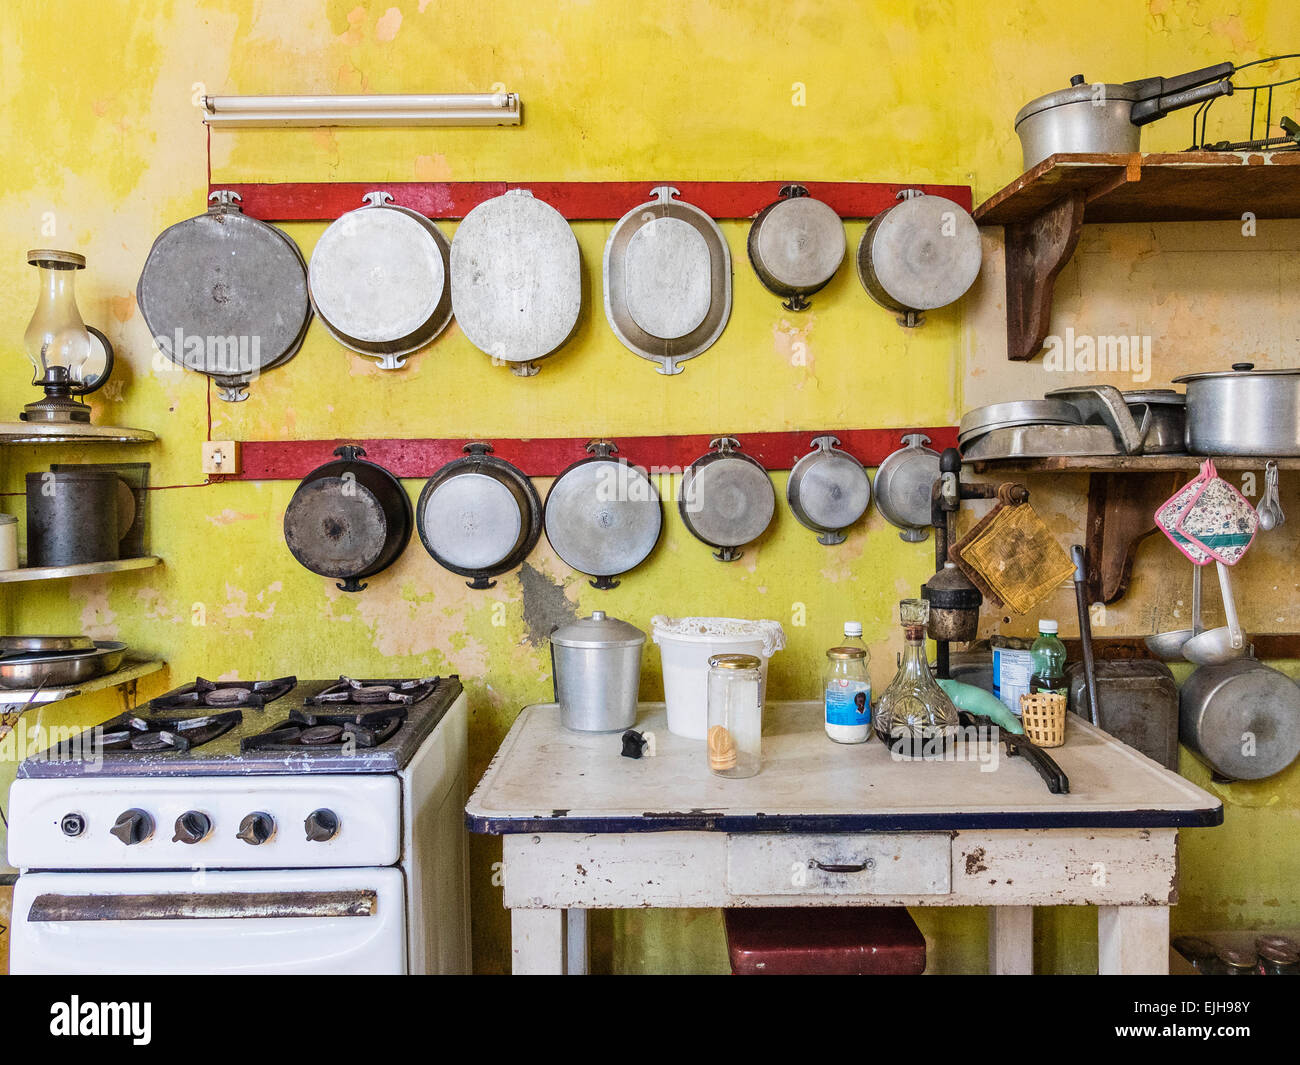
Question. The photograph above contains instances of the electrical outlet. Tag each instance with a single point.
(221, 456)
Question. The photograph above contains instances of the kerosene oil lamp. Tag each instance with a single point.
(57, 341)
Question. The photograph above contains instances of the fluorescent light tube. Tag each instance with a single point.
(442, 109)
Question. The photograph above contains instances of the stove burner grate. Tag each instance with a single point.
(329, 731)
(130, 734)
(350, 692)
(224, 694)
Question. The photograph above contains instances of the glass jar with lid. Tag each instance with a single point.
(846, 695)
(735, 736)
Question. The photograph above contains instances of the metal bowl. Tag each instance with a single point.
(61, 670)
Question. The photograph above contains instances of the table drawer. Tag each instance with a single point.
(843, 864)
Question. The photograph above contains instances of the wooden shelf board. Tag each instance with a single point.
(72, 433)
(1174, 187)
(1125, 464)
(84, 569)
(131, 670)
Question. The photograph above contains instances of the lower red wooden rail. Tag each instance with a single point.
(320, 201)
(291, 460)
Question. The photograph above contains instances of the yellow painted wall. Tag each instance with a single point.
(103, 148)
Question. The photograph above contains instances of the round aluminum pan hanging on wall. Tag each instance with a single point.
(603, 515)
(726, 499)
(828, 490)
(516, 279)
(796, 246)
(667, 280)
(225, 295)
(378, 280)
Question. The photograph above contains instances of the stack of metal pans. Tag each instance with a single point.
(983, 420)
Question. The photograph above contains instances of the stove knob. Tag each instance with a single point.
(133, 826)
(192, 827)
(321, 825)
(256, 829)
(73, 824)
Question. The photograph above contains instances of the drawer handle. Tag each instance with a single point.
(868, 863)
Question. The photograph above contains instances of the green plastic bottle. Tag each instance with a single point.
(1049, 660)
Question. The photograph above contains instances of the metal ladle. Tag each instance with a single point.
(1225, 643)
(1168, 646)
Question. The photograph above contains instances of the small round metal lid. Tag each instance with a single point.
(1085, 92)
(67, 260)
(735, 662)
(1166, 397)
(599, 630)
(801, 242)
(846, 653)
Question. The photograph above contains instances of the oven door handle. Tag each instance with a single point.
(203, 905)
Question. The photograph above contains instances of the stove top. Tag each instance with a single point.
(230, 728)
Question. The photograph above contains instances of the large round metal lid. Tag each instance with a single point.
(924, 251)
(729, 501)
(834, 490)
(224, 294)
(1239, 369)
(603, 517)
(1260, 702)
(516, 277)
(667, 282)
(1075, 94)
(598, 631)
(335, 528)
(801, 242)
(377, 275)
(472, 521)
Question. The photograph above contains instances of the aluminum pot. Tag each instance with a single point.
(71, 517)
(796, 245)
(348, 519)
(1165, 413)
(1243, 411)
(597, 665)
(726, 499)
(1108, 118)
(1241, 717)
(828, 490)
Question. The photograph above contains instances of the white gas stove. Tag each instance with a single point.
(241, 827)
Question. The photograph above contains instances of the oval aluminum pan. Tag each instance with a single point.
(479, 516)
(61, 670)
(904, 483)
(378, 281)
(727, 500)
(656, 281)
(828, 490)
(516, 279)
(921, 254)
(225, 295)
(603, 517)
(796, 246)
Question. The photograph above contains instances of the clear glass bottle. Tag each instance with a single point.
(915, 718)
(735, 736)
(846, 695)
(1049, 660)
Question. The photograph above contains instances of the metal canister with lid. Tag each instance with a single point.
(597, 664)
(735, 736)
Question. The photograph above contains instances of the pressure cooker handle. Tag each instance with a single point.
(1150, 88)
(1145, 111)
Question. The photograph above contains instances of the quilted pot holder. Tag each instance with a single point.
(1171, 511)
(1219, 520)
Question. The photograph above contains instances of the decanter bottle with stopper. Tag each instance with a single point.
(915, 718)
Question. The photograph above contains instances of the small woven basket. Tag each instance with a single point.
(1043, 716)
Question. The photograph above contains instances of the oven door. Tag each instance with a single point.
(309, 921)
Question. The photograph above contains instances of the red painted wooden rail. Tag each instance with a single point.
(319, 201)
(291, 460)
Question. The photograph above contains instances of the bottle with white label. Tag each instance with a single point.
(847, 689)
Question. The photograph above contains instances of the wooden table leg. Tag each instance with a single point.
(1011, 940)
(537, 942)
(575, 942)
(1133, 940)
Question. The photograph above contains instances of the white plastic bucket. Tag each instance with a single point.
(685, 647)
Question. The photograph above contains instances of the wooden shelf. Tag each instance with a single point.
(72, 433)
(129, 673)
(1125, 464)
(1045, 208)
(84, 569)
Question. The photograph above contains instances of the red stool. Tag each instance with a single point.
(831, 941)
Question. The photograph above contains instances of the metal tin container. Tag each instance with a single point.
(1138, 703)
(1243, 411)
(71, 517)
(597, 664)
